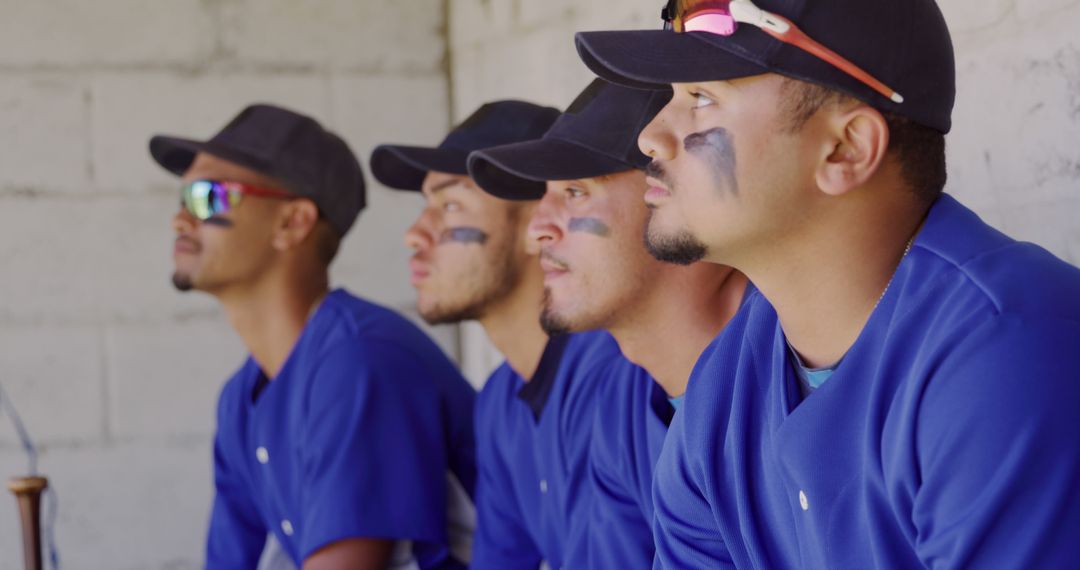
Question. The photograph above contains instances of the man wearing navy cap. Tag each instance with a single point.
(534, 415)
(598, 275)
(902, 392)
(337, 434)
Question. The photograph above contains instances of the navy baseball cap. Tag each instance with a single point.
(904, 44)
(309, 160)
(493, 124)
(596, 136)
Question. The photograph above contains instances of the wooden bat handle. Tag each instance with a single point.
(27, 492)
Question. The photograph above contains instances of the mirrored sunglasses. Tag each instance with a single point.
(205, 199)
(722, 17)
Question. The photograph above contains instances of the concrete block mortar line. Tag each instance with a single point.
(187, 315)
(88, 130)
(517, 33)
(447, 63)
(330, 103)
(7, 320)
(182, 441)
(236, 66)
(107, 388)
(18, 191)
(568, 15)
(218, 24)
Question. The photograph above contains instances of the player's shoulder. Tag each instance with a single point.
(1018, 360)
(589, 353)
(746, 340)
(961, 262)
(363, 320)
(730, 379)
(239, 383)
(627, 386)
(372, 335)
(989, 324)
(501, 386)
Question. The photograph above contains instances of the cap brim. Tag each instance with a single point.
(176, 154)
(652, 59)
(519, 171)
(404, 167)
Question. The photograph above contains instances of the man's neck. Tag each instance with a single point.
(513, 325)
(825, 285)
(271, 315)
(687, 308)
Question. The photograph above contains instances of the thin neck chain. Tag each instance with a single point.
(907, 248)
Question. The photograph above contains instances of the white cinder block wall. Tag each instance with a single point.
(116, 375)
(1014, 152)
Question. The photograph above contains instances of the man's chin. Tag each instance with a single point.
(554, 324)
(182, 281)
(679, 247)
(437, 314)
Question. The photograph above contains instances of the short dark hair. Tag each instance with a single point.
(327, 241)
(920, 150)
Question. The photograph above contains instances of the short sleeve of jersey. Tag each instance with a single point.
(619, 530)
(684, 486)
(373, 460)
(997, 440)
(684, 526)
(236, 534)
(501, 539)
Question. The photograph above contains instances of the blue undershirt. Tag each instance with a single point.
(810, 378)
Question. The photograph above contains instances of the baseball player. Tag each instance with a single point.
(598, 275)
(534, 414)
(902, 392)
(336, 435)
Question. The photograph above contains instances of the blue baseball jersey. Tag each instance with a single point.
(353, 438)
(627, 439)
(947, 436)
(532, 452)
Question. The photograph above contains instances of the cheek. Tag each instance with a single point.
(212, 244)
(700, 214)
(603, 262)
(454, 260)
(695, 191)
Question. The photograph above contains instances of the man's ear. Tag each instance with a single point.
(859, 140)
(296, 220)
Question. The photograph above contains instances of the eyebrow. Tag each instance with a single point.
(443, 186)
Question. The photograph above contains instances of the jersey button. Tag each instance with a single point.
(286, 527)
(543, 485)
(262, 455)
(803, 502)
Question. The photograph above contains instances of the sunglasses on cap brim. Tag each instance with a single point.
(205, 199)
(722, 17)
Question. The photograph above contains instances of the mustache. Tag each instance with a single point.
(551, 258)
(656, 169)
(188, 241)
